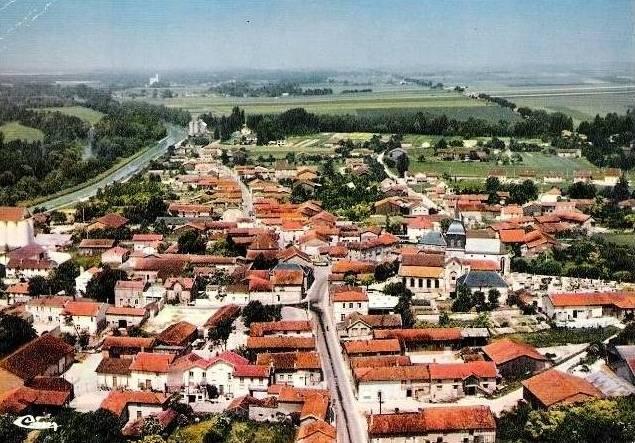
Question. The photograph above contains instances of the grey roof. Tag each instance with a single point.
(482, 279)
(432, 238)
(474, 332)
(456, 228)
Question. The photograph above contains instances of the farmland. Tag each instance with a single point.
(581, 102)
(434, 102)
(16, 131)
(88, 115)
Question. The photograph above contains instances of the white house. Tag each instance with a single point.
(16, 227)
(83, 316)
(347, 302)
(149, 371)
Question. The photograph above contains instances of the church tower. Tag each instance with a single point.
(455, 236)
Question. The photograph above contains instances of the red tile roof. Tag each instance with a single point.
(259, 329)
(13, 214)
(112, 220)
(127, 311)
(392, 373)
(623, 300)
(372, 346)
(420, 334)
(127, 342)
(512, 235)
(146, 362)
(290, 360)
(254, 371)
(556, 388)
(349, 296)
(19, 399)
(275, 342)
(35, 357)
(82, 308)
(432, 420)
(380, 361)
(505, 350)
(446, 371)
(117, 401)
(177, 334)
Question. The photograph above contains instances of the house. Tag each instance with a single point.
(179, 288)
(150, 371)
(424, 338)
(125, 346)
(95, 246)
(392, 383)
(41, 395)
(358, 326)
(555, 388)
(348, 301)
(43, 356)
(227, 313)
(250, 379)
(452, 424)
(299, 369)
(317, 431)
(115, 256)
(133, 405)
(450, 381)
(417, 227)
(515, 360)
(373, 347)
(192, 374)
(125, 317)
(130, 293)
(588, 308)
(435, 382)
(281, 344)
(83, 316)
(17, 293)
(299, 328)
(108, 221)
(114, 373)
(16, 227)
(179, 334)
(146, 243)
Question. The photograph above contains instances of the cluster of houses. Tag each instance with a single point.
(273, 370)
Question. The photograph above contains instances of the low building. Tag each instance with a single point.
(125, 317)
(515, 360)
(555, 388)
(299, 369)
(452, 424)
(347, 302)
(360, 327)
(584, 309)
(83, 316)
(150, 371)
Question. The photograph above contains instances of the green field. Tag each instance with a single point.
(538, 162)
(89, 115)
(16, 131)
(620, 238)
(435, 102)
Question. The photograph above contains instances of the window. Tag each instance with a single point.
(138, 414)
(191, 373)
(343, 317)
(412, 282)
(428, 283)
(485, 385)
(436, 283)
(359, 305)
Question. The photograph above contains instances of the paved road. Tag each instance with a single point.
(351, 425)
(175, 134)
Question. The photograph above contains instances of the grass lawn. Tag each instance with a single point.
(89, 115)
(557, 337)
(241, 431)
(16, 131)
(620, 238)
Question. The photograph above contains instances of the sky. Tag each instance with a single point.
(155, 35)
